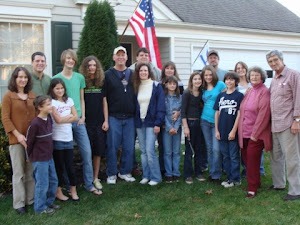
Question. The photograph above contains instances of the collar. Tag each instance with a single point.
(283, 72)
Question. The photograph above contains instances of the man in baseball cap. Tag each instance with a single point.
(213, 60)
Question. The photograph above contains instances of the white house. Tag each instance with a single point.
(239, 29)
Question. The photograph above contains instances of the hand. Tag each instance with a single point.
(81, 121)
(175, 115)
(156, 130)
(253, 139)
(187, 133)
(22, 140)
(217, 134)
(295, 127)
(231, 136)
(105, 126)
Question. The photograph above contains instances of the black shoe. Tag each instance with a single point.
(291, 197)
(169, 180)
(176, 179)
(48, 211)
(21, 210)
(271, 188)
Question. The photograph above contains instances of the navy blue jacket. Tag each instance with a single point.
(156, 110)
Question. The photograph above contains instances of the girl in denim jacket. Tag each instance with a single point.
(172, 131)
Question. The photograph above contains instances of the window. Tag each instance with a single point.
(17, 42)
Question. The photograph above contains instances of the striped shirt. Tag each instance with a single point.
(285, 99)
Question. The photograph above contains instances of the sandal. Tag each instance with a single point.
(95, 191)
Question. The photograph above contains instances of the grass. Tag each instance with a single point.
(176, 203)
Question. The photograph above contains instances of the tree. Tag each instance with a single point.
(99, 35)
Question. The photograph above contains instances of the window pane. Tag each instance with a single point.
(15, 31)
(5, 55)
(38, 31)
(4, 32)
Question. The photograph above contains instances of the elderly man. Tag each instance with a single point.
(120, 99)
(213, 60)
(285, 112)
(41, 81)
(142, 55)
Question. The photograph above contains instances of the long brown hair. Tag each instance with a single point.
(12, 85)
(163, 74)
(170, 80)
(84, 70)
(136, 76)
(53, 84)
(215, 78)
(190, 84)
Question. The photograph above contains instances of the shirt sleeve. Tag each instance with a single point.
(31, 133)
(184, 104)
(179, 119)
(216, 105)
(82, 81)
(6, 114)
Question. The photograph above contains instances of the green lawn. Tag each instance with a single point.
(176, 203)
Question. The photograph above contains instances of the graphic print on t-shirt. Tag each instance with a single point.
(228, 105)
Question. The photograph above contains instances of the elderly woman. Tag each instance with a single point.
(255, 127)
(17, 113)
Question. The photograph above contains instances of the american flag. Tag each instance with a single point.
(142, 23)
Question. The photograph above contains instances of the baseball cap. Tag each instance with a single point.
(120, 48)
(213, 52)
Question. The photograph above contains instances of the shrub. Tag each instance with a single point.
(99, 35)
(5, 166)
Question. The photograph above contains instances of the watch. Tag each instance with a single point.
(297, 120)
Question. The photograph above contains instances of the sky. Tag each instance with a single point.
(292, 5)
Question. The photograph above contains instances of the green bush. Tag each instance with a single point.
(99, 35)
(5, 166)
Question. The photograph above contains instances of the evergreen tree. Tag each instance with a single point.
(99, 35)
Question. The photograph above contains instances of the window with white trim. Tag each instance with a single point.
(17, 43)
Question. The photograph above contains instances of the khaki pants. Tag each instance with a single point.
(286, 153)
(23, 182)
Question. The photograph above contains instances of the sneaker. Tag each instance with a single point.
(225, 182)
(127, 177)
(111, 179)
(97, 184)
(232, 184)
(200, 177)
(204, 169)
(176, 179)
(189, 180)
(48, 211)
(169, 180)
(54, 206)
(144, 181)
(153, 183)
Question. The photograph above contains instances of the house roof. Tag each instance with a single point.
(253, 14)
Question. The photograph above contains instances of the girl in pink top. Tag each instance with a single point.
(255, 127)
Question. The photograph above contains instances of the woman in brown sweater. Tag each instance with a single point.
(17, 113)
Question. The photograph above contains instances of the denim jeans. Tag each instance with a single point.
(150, 164)
(83, 142)
(171, 145)
(231, 159)
(45, 184)
(120, 133)
(161, 150)
(213, 151)
(195, 141)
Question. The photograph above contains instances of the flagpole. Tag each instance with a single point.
(200, 52)
(128, 23)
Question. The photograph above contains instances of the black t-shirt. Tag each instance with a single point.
(228, 105)
(191, 106)
(93, 106)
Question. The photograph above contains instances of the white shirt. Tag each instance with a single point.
(62, 131)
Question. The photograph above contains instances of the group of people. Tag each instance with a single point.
(221, 112)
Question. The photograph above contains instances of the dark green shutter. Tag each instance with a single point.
(61, 40)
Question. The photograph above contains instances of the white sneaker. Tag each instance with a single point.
(127, 177)
(225, 182)
(232, 184)
(153, 183)
(111, 179)
(144, 181)
(97, 184)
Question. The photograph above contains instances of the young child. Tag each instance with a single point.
(63, 113)
(191, 111)
(227, 116)
(39, 150)
(172, 131)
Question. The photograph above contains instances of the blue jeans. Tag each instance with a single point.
(83, 142)
(195, 141)
(45, 184)
(171, 145)
(231, 159)
(150, 164)
(120, 133)
(212, 147)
